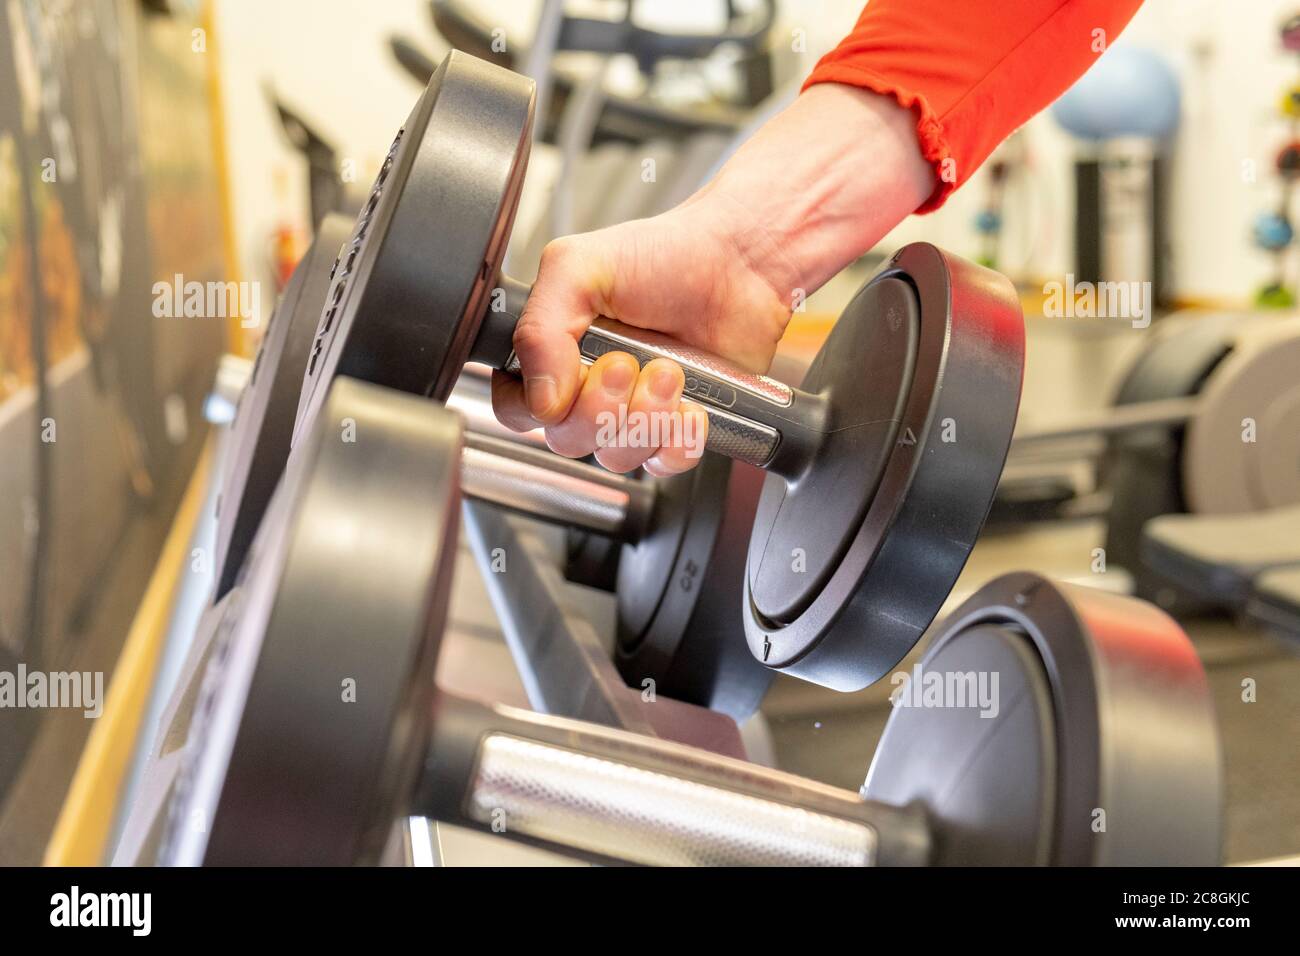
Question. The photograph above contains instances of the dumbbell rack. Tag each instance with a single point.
(601, 773)
(605, 773)
(565, 668)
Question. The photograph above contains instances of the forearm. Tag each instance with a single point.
(818, 186)
(918, 88)
(973, 70)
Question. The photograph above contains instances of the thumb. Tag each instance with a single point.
(559, 310)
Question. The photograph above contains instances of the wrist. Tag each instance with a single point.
(750, 239)
(818, 186)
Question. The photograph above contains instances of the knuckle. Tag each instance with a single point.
(559, 253)
(530, 337)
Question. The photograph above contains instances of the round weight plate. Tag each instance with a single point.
(413, 282)
(1180, 353)
(972, 737)
(313, 712)
(268, 405)
(1242, 451)
(680, 612)
(1278, 468)
(1138, 779)
(840, 595)
(591, 559)
(1143, 469)
(865, 366)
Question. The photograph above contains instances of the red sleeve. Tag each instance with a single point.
(972, 70)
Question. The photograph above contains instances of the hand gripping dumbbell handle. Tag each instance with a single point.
(752, 418)
(611, 795)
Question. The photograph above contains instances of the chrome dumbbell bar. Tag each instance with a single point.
(511, 469)
(610, 795)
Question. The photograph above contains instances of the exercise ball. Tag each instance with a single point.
(1289, 104)
(1127, 92)
(1290, 32)
(988, 222)
(1272, 231)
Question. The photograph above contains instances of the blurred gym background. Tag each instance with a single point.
(205, 139)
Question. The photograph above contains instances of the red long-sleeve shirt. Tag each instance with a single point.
(972, 70)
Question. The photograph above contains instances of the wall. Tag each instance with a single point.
(329, 58)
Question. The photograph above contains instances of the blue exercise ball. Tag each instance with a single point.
(1127, 92)
(1272, 231)
(988, 222)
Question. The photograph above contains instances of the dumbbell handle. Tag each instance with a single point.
(507, 468)
(752, 418)
(615, 795)
(541, 484)
(517, 471)
(471, 398)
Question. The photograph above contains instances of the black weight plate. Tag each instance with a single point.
(268, 406)
(680, 610)
(1144, 469)
(1137, 755)
(591, 559)
(849, 620)
(1179, 357)
(413, 282)
(865, 367)
(984, 766)
(313, 712)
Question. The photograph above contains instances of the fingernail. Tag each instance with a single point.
(654, 466)
(541, 394)
(616, 378)
(664, 384)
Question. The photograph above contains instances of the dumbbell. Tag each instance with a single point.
(881, 467)
(1067, 726)
(1241, 371)
(1207, 421)
(679, 585)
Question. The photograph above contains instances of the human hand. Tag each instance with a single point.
(813, 189)
(680, 274)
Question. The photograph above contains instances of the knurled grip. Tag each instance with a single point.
(734, 437)
(595, 804)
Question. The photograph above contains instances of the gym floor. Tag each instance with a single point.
(831, 736)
